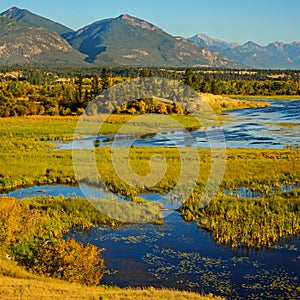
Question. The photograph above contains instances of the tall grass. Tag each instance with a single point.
(247, 222)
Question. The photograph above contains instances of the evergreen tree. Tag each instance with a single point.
(105, 79)
(190, 78)
(96, 87)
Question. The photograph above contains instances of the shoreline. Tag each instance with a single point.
(262, 97)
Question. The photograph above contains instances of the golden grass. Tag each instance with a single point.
(9, 268)
(18, 288)
(6, 204)
(222, 103)
(17, 283)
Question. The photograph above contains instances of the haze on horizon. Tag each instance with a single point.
(261, 21)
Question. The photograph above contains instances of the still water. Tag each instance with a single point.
(180, 255)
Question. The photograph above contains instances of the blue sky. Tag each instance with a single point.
(261, 21)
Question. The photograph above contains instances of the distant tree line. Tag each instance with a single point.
(38, 75)
(67, 91)
(208, 83)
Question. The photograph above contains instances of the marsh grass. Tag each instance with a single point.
(248, 222)
(130, 212)
(26, 159)
(26, 162)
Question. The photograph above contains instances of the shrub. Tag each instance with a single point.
(64, 259)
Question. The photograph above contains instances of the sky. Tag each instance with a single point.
(261, 21)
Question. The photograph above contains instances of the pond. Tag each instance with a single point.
(180, 255)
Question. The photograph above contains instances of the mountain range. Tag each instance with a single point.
(30, 39)
(275, 55)
(126, 40)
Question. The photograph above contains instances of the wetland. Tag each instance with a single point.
(198, 249)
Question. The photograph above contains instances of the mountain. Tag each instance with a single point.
(28, 45)
(213, 44)
(26, 38)
(29, 18)
(275, 55)
(129, 41)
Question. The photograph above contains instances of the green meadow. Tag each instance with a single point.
(28, 157)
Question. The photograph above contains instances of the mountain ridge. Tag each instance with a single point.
(275, 55)
(27, 17)
(214, 44)
(129, 41)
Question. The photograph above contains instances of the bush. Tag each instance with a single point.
(64, 259)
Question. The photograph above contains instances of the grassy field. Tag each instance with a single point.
(244, 167)
(27, 159)
(222, 103)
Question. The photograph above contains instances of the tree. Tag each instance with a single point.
(144, 73)
(105, 79)
(96, 87)
(190, 78)
(79, 83)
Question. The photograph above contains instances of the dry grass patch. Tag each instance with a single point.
(16, 288)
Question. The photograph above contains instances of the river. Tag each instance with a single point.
(273, 127)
